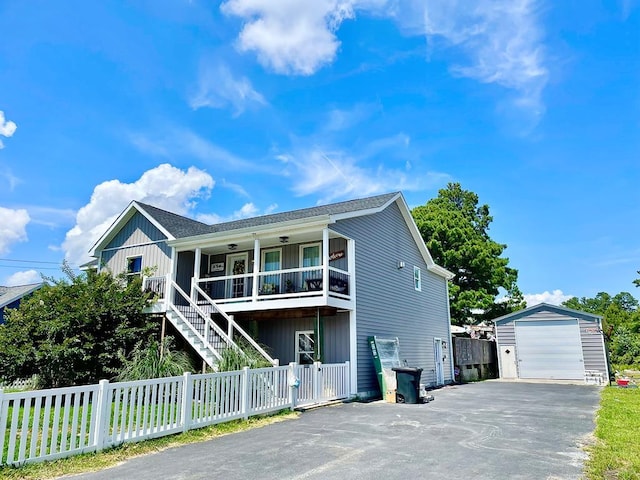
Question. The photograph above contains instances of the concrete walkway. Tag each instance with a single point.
(488, 430)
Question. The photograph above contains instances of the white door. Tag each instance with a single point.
(439, 360)
(549, 349)
(508, 362)
(237, 265)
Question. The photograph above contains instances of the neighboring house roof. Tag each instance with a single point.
(547, 308)
(9, 295)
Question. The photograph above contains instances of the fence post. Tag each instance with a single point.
(293, 389)
(3, 425)
(346, 379)
(244, 391)
(317, 378)
(187, 399)
(102, 418)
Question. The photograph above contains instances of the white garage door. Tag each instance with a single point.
(549, 349)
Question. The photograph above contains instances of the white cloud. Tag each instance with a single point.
(344, 119)
(290, 36)
(13, 225)
(248, 210)
(555, 297)
(502, 39)
(23, 278)
(10, 178)
(334, 175)
(164, 186)
(185, 143)
(218, 88)
(7, 128)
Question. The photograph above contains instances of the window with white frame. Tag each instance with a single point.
(417, 279)
(134, 266)
(271, 262)
(305, 347)
(311, 256)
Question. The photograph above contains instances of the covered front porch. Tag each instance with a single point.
(274, 270)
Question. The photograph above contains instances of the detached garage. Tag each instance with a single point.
(551, 342)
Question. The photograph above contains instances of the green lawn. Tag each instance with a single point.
(616, 452)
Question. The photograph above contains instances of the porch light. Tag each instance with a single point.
(232, 246)
(284, 239)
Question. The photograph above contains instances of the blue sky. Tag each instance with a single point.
(221, 110)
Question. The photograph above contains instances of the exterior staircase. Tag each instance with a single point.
(194, 321)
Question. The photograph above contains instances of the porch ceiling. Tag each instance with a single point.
(243, 245)
(263, 315)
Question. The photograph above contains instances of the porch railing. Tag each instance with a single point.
(50, 424)
(277, 284)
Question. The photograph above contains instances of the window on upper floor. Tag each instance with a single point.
(417, 279)
(134, 266)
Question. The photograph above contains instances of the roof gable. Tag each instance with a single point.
(545, 307)
(171, 225)
(9, 295)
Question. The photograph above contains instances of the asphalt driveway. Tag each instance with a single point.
(488, 430)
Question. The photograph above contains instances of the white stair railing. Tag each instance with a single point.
(203, 317)
(233, 326)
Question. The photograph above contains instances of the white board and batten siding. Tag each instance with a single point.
(551, 342)
(138, 237)
(387, 304)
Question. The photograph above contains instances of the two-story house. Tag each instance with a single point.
(310, 284)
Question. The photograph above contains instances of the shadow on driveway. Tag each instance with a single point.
(488, 430)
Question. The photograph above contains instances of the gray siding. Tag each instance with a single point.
(387, 304)
(592, 345)
(279, 336)
(138, 237)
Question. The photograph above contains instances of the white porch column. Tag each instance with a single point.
(256, 267)
(174, 263)
(351, 267)
(325, 261)
(196, 272)
(353, 353)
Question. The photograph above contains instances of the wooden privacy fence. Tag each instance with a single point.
(474, 359)
(48, 424)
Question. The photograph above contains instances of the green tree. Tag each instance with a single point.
(455, 230)
(75, 330)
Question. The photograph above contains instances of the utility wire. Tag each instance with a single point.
(27, 261)
(35, 268)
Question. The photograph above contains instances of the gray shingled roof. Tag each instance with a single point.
(181, 227)
(175, 224)
(11, 294)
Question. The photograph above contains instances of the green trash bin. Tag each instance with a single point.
(408, 384)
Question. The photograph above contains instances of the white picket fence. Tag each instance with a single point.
(48, 424)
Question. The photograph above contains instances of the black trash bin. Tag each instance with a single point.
(408, 384)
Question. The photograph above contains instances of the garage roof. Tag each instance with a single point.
(545, 307)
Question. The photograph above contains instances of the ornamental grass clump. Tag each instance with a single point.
(244, 355)
(155, 360)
